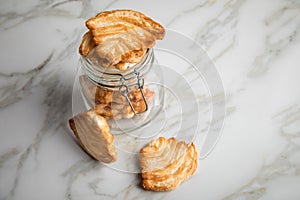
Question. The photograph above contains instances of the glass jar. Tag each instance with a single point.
(128, 99)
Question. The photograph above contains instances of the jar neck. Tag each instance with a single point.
(113, 78)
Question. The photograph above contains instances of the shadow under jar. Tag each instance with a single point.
(128, 99)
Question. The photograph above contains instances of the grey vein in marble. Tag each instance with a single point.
(222, 25)
(11, 19)
(19, 84)
(194, 8)
(57, 112)
(83, 167)
(273, 49)
(6, 156)
(280, 166)
(75, 171)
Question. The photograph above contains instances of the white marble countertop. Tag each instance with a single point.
(256, 48)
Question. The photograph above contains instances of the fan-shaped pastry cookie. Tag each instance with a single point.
(166, 163)
(92, 132)
(117, 34)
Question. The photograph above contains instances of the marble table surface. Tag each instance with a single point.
(256, 48)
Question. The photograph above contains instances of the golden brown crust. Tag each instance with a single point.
(119, 20)
(87, 44)
(166, 163)
(92, 132)
(128, 58)
(119, 33)
(134, 56)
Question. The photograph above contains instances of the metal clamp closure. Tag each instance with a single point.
(124, 90)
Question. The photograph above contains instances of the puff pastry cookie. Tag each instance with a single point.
(119, 36)
(92, 132)
(165, 163)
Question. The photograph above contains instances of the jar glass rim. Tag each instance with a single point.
(111, 77)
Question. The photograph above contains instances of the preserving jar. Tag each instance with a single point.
(128, 99)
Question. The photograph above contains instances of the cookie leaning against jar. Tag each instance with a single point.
(92, 132)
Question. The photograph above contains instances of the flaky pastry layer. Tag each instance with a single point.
(165, 163)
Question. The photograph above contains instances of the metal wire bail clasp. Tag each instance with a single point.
(124, 90)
